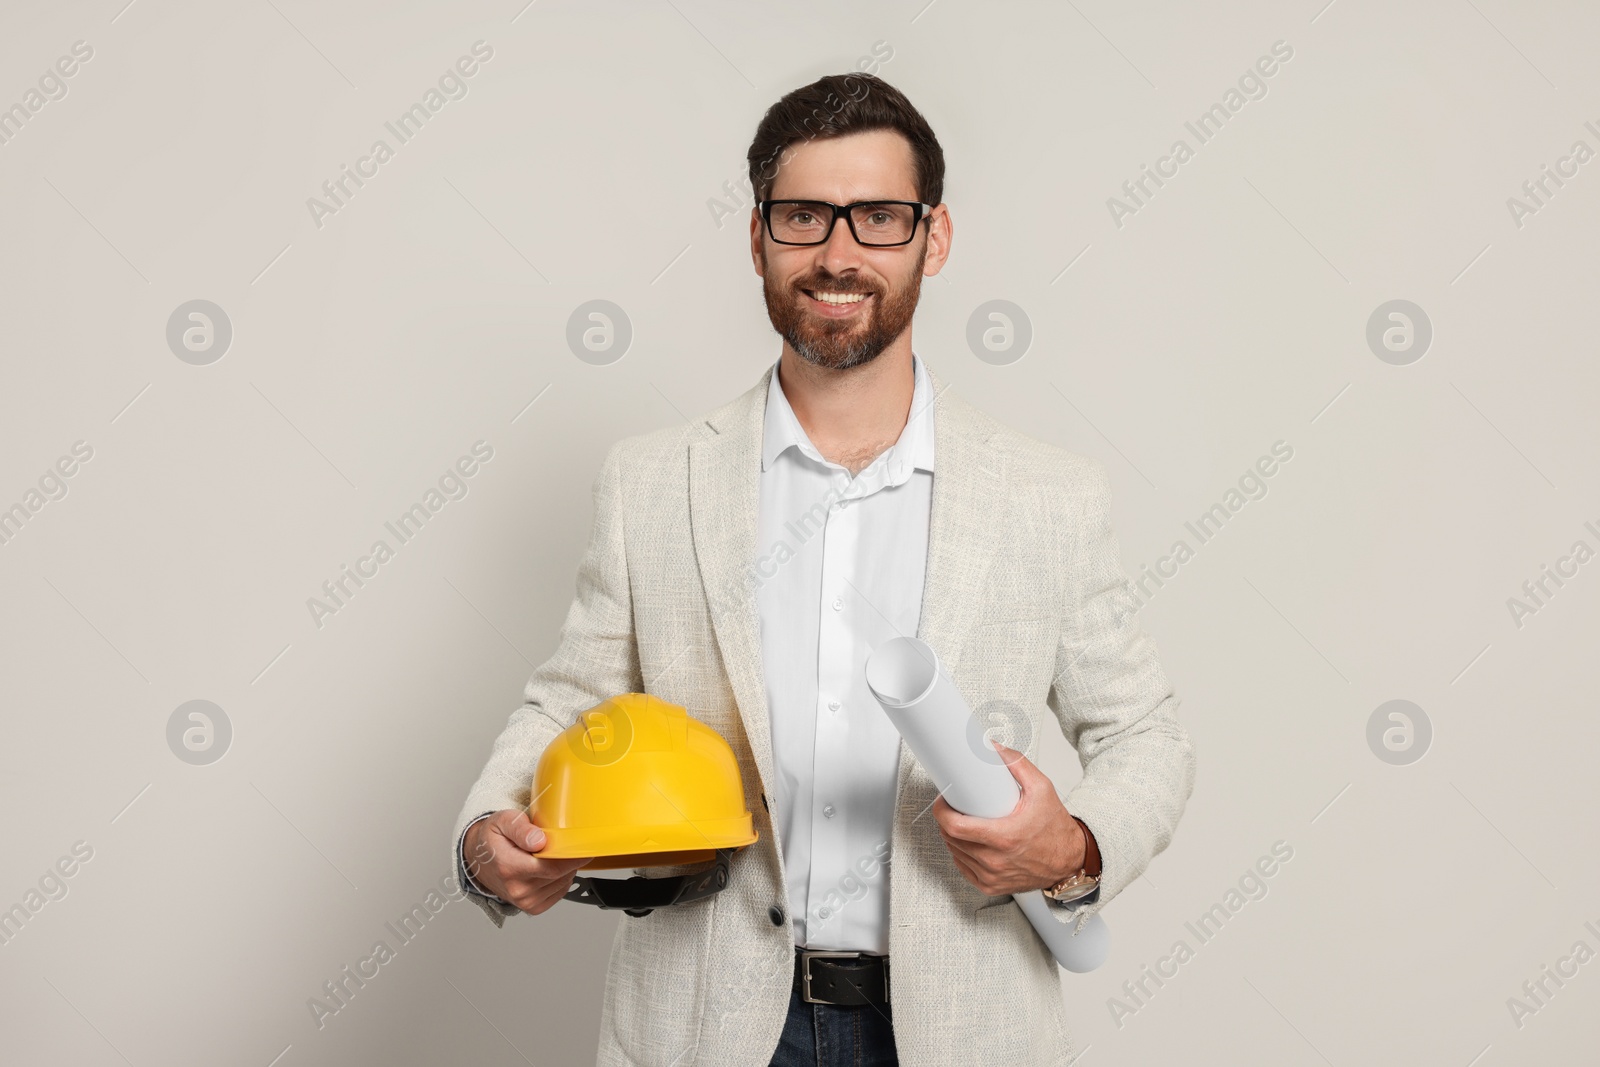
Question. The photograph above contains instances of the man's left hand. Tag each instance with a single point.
(1034, 847)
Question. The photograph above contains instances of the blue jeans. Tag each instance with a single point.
(827, 1035)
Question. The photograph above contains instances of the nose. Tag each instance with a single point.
(840, 252)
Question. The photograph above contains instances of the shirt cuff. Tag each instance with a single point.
(466, 875)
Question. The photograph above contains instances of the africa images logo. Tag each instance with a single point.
(453, 484)
(1252, 85)
(452, 85)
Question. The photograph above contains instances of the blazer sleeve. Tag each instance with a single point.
(597, 657)
(1116, 707)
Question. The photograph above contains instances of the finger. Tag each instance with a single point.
(968, 871)
(552, 896)
(1008, 754)
(979, 865)
(969, 828)
(517, 828)
(517, 868)
(954, 824)
(529, 902)
(509, 869)
(963, 848)
(950, 819)
(962, 861)
(1020, 766)
(535, 896)
(527, 839)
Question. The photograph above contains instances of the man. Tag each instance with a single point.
(744, 566)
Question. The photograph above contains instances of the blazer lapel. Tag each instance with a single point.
(969, 481)
(969, 485)
(724, 495)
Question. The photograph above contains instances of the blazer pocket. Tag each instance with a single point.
(993, 902)
(1020, 625)
(657, 978)
(1004, 642)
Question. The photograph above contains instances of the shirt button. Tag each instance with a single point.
(833, 705)
(827, 812)
(838, 603)
(823, 912)
(775, 913)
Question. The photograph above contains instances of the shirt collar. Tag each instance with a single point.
(913, 450)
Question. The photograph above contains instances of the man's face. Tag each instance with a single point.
(803, 284)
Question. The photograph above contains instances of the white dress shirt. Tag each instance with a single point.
(840, 564)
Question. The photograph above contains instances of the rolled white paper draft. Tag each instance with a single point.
(947, 739)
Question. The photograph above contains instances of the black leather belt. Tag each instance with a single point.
(846, 979)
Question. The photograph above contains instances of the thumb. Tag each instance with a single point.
(1019, 765)
(516, 827)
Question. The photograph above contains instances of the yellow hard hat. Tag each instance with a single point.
(637, 782)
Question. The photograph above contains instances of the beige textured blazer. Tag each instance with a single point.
(1024, 603)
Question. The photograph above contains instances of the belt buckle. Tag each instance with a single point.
(806, 956)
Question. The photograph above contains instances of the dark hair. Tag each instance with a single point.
(836, 105)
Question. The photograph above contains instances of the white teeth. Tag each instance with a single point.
(840, 298)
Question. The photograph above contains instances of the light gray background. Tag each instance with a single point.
(1229, 313)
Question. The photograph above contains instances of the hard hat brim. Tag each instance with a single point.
(702, 836)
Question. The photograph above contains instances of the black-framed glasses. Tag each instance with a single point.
(873, 223)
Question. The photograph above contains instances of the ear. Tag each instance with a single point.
(755, 242)
(941, 231)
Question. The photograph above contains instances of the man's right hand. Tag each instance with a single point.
(500, 853)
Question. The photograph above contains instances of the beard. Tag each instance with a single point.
(840, 344)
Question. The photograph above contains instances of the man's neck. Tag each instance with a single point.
(851, 415)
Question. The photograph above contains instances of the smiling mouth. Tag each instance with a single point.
(836, 299)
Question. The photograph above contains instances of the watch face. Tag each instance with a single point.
(1074, 890)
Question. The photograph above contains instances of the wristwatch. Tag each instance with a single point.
(1072, 889)
(1080, 887)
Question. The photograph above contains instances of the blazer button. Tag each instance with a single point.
(775, 913)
